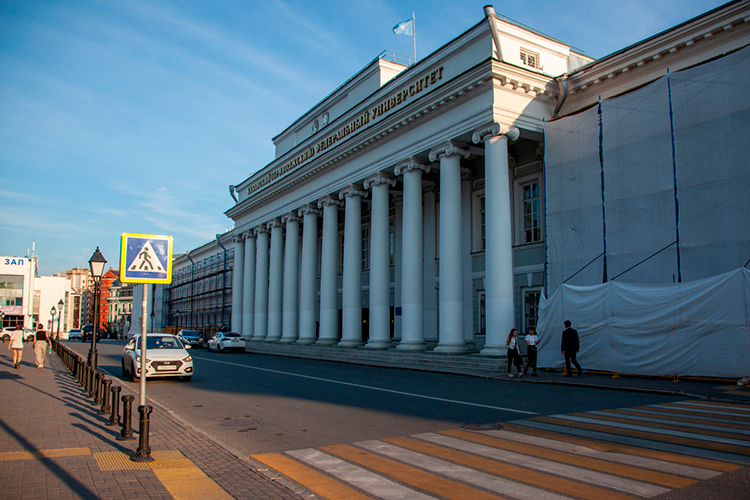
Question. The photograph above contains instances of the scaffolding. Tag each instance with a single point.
(200, 295)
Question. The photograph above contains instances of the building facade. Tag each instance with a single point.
(120, 303)
(17, 278)
(407, 208)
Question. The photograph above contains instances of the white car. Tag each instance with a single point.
(166, 356)
(227, 342)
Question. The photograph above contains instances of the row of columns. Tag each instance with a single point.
(278, 286)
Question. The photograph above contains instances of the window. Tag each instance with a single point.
(478, 222)
(532, 217)
(366, 248)
(482, 296)
(392, 242)
(529, 58)
(531, 308)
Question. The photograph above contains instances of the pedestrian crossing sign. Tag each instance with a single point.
(145, 258)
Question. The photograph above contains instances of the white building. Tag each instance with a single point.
(410, 208)
(17, 277)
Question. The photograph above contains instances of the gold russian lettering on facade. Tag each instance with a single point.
(383, 107)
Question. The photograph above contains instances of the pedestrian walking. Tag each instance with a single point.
(16, 345)
(569, 348)
(41, 344)
(513, 357)
(532, 340)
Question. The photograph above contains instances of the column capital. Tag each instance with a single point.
(484, 134)
(260, 229)
(250, 233)
(273, 223)
(378, 179)
(448, 149)
(352, 190)
(308, 209)
(290, 217)
(329, 200)
(410, 165)
(430, 188)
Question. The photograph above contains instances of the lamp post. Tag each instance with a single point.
(60, 306)
(96, 264)
(52, 323)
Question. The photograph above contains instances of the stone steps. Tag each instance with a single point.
(472, 364)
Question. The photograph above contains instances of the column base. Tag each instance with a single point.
(287, 340)
(451, 349)
(305, 341)
(489, 350)
(327, 342)
(272, 339)
(411, 346)
(380, 345)
(258, 339)
(350, 344)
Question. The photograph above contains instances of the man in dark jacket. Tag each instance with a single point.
(569, 348)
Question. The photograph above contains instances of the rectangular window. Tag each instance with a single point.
(365, 248)
(532, 217)
(392, 242)
(531, 307)
(482, 224)
(530, 58)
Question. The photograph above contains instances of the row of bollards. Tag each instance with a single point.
(101, 392)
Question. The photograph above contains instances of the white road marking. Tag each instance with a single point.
(391, 391)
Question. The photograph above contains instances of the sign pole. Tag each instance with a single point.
(144, 334)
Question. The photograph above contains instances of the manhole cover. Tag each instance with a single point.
(482, 427)
(238, 423)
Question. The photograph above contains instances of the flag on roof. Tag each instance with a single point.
(405, 28)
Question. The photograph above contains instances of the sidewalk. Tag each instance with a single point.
(53, 445)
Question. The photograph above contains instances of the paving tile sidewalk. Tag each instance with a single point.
(46, 411)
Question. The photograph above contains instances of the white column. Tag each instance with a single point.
(308, 275)
(380, 262)
(275, 277)
(466, 178)
(290, 326)
(498, 238)
(238, 274)
(412, 268)
(451, 307)
(261, 284)
(329, 265)
(351, 327)
(248, 288)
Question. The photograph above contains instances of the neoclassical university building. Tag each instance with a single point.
(408, 208)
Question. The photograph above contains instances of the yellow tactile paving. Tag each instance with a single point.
(678, 419)
(164, 459)
(656, 425)
(409, 475)
(190, 484)
(310, 478)
(654, 436)
(520, 474)
(30, 455)
(628, 471)
(624, 448)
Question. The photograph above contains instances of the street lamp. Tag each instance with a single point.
(96, 264)
(60, 306)
(52, 323)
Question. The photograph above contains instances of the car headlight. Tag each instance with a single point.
(188, 359)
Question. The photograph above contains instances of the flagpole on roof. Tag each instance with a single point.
(414, 24)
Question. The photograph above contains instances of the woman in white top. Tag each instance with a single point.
(513, 356)
(532, 339)
(16, 345)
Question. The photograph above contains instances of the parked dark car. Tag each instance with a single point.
(87, 330)
(191, 338)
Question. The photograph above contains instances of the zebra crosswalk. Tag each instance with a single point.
(616, 454)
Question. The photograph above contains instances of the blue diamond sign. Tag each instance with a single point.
(145, 258)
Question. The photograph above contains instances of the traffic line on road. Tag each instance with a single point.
(543, 458)
(310, 478)
(372, 388)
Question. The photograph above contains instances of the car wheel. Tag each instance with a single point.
(134, 373)
(124, 371)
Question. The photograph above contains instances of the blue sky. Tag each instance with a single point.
(136, 116)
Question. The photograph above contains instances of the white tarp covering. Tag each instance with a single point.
(697, 328)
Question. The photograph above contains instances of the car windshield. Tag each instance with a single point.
(189, 333)
(166, 342)
(231, 334)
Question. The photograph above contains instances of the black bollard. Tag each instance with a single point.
(98, 387)
(126, 434)
(105, 397)
(87, 380)
(143, 453)
(114, 417)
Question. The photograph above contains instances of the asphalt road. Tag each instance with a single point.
(263, 404)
